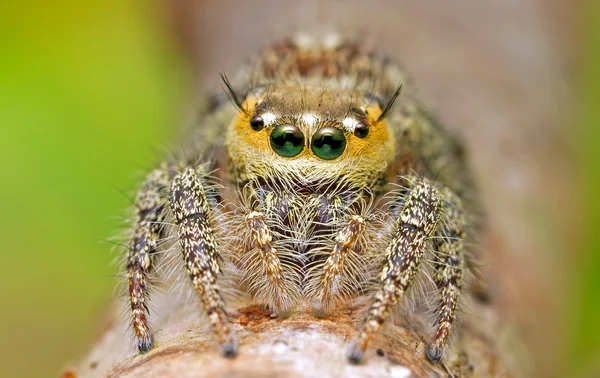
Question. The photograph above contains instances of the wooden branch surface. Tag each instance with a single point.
(300, 346)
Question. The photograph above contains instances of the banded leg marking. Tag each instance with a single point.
(345, 240)
(449, 265)
(199, 247)
(416, 222)
(279, 297)
(150, 206)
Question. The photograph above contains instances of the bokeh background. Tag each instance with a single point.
(91, 92)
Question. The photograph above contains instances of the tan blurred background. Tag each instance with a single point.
(91, 91)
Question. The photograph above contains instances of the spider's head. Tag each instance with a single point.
(310, 137)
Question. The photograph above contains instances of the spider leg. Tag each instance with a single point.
(150, 210)
(416, 221)
(345, 240)
(193, 215)
(278, 294)
(449, 264)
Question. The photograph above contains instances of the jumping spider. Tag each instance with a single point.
(320, 185)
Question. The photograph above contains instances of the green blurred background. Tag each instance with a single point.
(87, 93)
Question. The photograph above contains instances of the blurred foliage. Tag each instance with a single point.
(88, 90)
(582, 316)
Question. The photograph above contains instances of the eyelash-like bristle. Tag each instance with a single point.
(232, 94)
(390, 104)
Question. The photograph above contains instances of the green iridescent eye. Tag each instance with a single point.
(328, 143)
(287, 140)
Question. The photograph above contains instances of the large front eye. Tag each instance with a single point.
(287, 140)
(328, 143)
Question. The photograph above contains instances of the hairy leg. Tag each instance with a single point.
(194, 217)
(449, 264)
(278, 296)
(416, 221)
(345, 240)
(150, 210)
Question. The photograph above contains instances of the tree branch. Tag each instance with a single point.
(300, 346)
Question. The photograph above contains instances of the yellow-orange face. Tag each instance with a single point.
(311, 135)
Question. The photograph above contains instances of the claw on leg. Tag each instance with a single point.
(230, 347)
(356, 354)
(144, 344)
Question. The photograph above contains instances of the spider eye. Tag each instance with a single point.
(287, 140)
(361, 130)
(257, 123)
(328, 143)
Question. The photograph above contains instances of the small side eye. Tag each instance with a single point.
(361, 130)
(257, 123)
(287, 140)
(328, 143)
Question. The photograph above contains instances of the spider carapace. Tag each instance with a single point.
(324, 182)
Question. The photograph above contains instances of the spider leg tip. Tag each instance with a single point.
(144, 344)
(320, 311)
(230, 348)
(434, 353)
(355, 355)
(283, 313)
